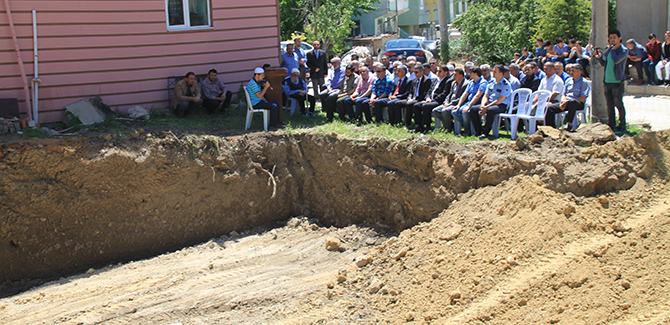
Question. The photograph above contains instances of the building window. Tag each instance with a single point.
(188, 14)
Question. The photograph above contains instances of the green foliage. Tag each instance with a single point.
(292, 18)
(325, 20)
(565, 18)
(494, 29)
(611, 8)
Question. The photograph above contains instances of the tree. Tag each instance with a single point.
(492, 30)
(330, 20)
(292, 18)
(565, 18)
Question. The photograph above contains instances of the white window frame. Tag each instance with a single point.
(187, 17)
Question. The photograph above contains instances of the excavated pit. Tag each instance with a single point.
(69, 205)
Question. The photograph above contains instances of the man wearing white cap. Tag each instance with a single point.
(296, 88)
(256, 93)
(332, 84)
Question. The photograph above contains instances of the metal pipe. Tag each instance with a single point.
(18, 58)
(36, 80)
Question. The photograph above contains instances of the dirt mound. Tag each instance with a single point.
(486, 232)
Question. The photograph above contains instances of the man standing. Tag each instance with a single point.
(296, 88)
(302, 58)
(653, 57)
(443, 112)
(636, 54)
(435, 98)
(289, 59)
(495, 101)
(347, 88)
(333, 82)
(614, 60)
(186, 95)
(398, 98)
(215, 93)
(576, 91)
(317, 62)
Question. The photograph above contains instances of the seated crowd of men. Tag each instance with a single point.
(458, 98)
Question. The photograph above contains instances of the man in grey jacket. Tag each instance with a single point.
(614, 62)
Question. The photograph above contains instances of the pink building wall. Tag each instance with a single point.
(122, 51)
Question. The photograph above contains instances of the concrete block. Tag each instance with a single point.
(88, 111)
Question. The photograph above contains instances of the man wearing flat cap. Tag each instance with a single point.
(296, 88)
(332, 83)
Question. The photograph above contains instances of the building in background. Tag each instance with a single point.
(125, 50)
(407, 17)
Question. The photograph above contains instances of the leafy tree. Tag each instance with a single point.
(292, 18)
(564, 18)
(611, 8)
(325, 20)
(492, 30)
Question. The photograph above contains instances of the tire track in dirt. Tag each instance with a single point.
(194, 283)
(548, 265)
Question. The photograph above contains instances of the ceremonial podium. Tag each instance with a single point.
(276, 76)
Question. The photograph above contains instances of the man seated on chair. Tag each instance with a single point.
(419, 90)
(552, 83)
(362, 92)
(436, 97)
(186, 95)
(576, 91)
(495, 101)
(443, 112)
(347, 88)
(215, 93)
(472, 96)
(295, 88)
(382, 88)
(530, 80)
(256, 89)
(332, 84)
(398, 98)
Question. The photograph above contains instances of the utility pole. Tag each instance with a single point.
(599, 31)
(443, 12)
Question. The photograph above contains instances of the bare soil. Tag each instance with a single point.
(541, 231)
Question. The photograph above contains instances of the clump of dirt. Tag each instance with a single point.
(550, 232)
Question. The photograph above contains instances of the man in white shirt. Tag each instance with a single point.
(552, 83)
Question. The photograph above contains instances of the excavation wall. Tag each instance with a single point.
(67, 205)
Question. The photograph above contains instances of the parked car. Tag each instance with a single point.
(306, 47)
(433, 47)
(406, 47)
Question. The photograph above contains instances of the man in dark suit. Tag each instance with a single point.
(317, 61)
(435, 98)
(398, 98)
(420, 88)
(443, 112)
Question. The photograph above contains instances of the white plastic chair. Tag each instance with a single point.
(292, 105)
(251, 111)
(543, 97)
(580, 116)
(523, 95)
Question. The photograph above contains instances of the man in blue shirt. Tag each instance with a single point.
(473, 93)
(332, 84)
(561, 51)
(561, 72)
(576, 91)
(540, 52)
(495, 101)
(614, 61)
(256, 93)
(636, 54)
(289, 59)
(382, 88)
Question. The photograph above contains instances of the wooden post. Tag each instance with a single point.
(599, 31)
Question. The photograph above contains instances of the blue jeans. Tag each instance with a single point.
(354, 114)
(463, 118)
(649, 69)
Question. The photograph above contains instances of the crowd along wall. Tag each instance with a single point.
(122, 50)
